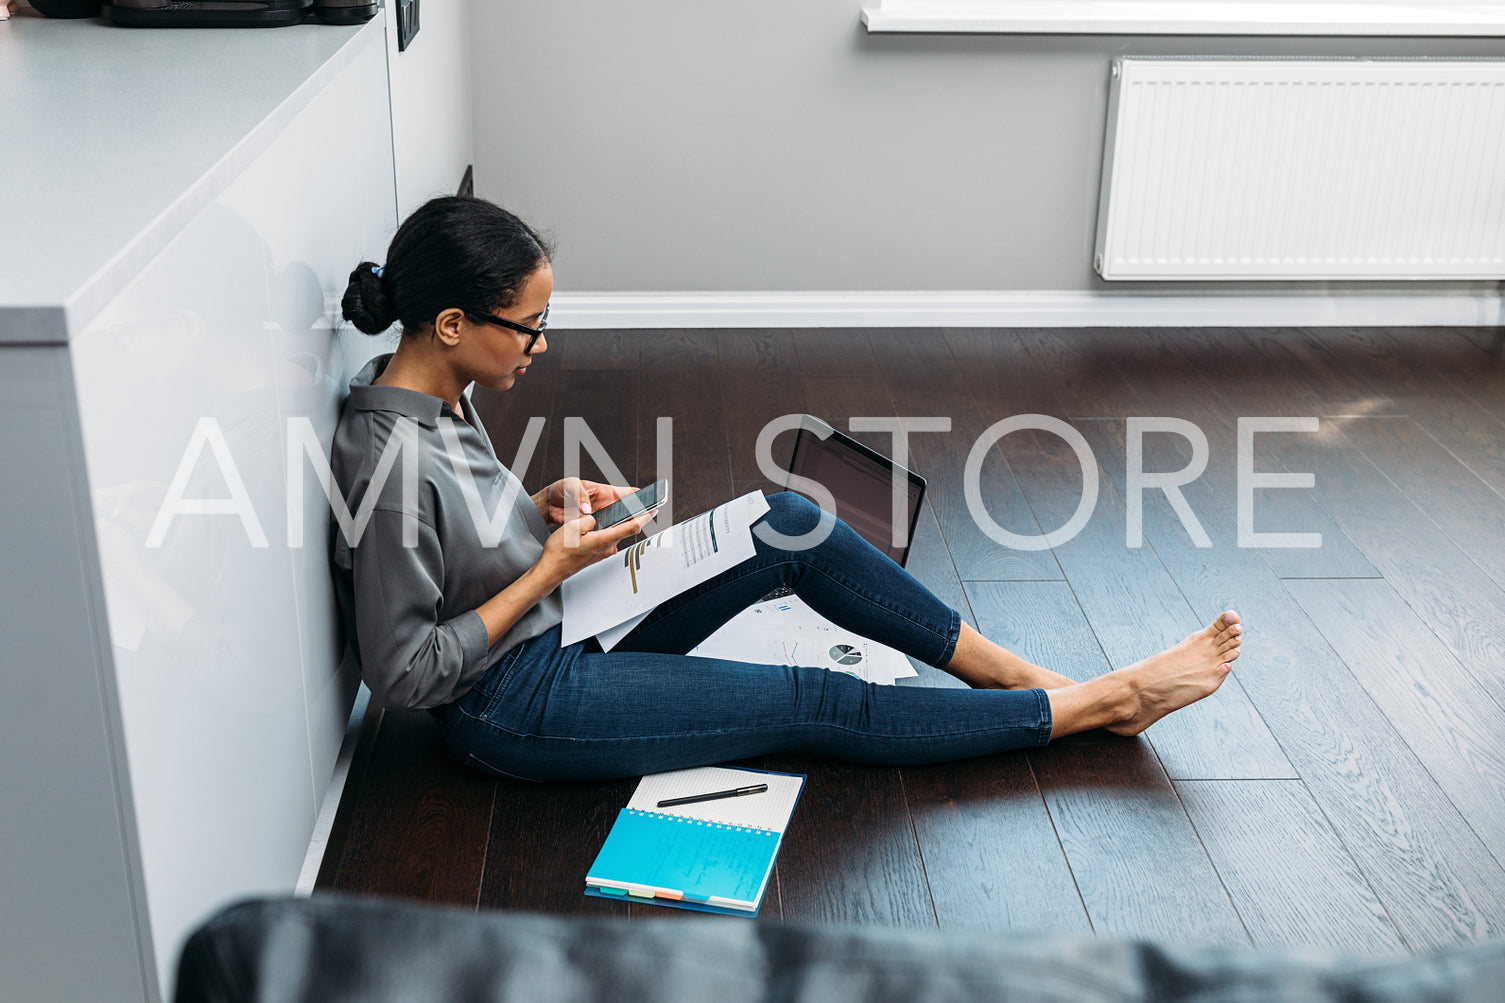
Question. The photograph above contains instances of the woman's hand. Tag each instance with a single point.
(577, 544)
(570, 497)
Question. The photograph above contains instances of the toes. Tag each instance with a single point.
(1229, 654)
(1225, 619)
(1233, 631)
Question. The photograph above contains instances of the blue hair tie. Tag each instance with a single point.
(377, 270)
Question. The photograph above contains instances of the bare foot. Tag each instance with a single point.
(1181, 675)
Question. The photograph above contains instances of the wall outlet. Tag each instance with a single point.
(407, 22)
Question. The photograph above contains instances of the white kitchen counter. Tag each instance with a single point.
(113, 139)
(180, 211)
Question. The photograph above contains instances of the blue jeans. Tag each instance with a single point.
(551, 712)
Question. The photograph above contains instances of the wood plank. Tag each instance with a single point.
(1456, 599)
(1470, 435)
(1472, 368)
(607, 399)
(1450, 442)
(1140, 868)
(1437, 880)
(990, 847)
(685, 386)
(850, 854)
(836, 353)
(420, 830)
(1392, 365)
(740, 488)
(1490, 339)
(1454, 441)
(1434, 876)
(1173, 374)
(842, 380)
(352, 797)
(1466, 509)
(1468, 431)
(600, 349)
(1081, 371)
(545, 837)
(840, 377)
(990, 851)
(761, 380)
(1426, 863)
(923, 379)
(1136, 609)
(1315, 371)
(1435, 703)
(1133, 604)
(1041, 621)
(1287, 872)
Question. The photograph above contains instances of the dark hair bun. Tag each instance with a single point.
(453, 253)
(366, 303)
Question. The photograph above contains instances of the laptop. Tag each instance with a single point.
(861, 480)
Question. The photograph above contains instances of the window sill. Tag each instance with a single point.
(1184, 17)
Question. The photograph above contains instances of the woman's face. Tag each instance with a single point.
(497, 357)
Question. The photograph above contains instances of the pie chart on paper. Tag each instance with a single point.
(845, 654)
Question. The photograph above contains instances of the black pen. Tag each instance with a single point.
(739, 792)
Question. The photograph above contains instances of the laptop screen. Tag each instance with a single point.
(861, 480)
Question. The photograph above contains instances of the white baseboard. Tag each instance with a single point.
(318, 842)
(1022, 309)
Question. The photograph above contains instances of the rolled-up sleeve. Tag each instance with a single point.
(411, 658)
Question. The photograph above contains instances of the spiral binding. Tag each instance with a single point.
(701, 821)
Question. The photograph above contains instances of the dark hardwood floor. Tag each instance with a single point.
(1345, 789)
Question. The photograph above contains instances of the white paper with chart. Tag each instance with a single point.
(634, 580)
(786, 631)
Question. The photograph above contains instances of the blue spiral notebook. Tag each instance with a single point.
(715, 856)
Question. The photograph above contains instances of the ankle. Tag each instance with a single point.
(1122, 701)
(1108, 701)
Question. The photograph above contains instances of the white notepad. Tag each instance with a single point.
(770, 810)
(714, 856)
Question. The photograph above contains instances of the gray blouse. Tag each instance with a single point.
(427, 555)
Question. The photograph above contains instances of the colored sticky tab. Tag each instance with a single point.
(675, 896)
(640, 893)
(611, 891)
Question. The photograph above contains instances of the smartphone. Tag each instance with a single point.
(641, 500)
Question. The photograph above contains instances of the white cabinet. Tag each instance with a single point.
(172, 713)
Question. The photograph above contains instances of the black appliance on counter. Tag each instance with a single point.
(236, 13)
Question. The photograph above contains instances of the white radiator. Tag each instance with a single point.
(1304, 169)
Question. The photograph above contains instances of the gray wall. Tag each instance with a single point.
(692, 146)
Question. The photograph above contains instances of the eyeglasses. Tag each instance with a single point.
(531, 332)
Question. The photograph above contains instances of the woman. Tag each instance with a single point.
(442, 619)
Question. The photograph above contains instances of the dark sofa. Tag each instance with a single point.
(333, 948)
